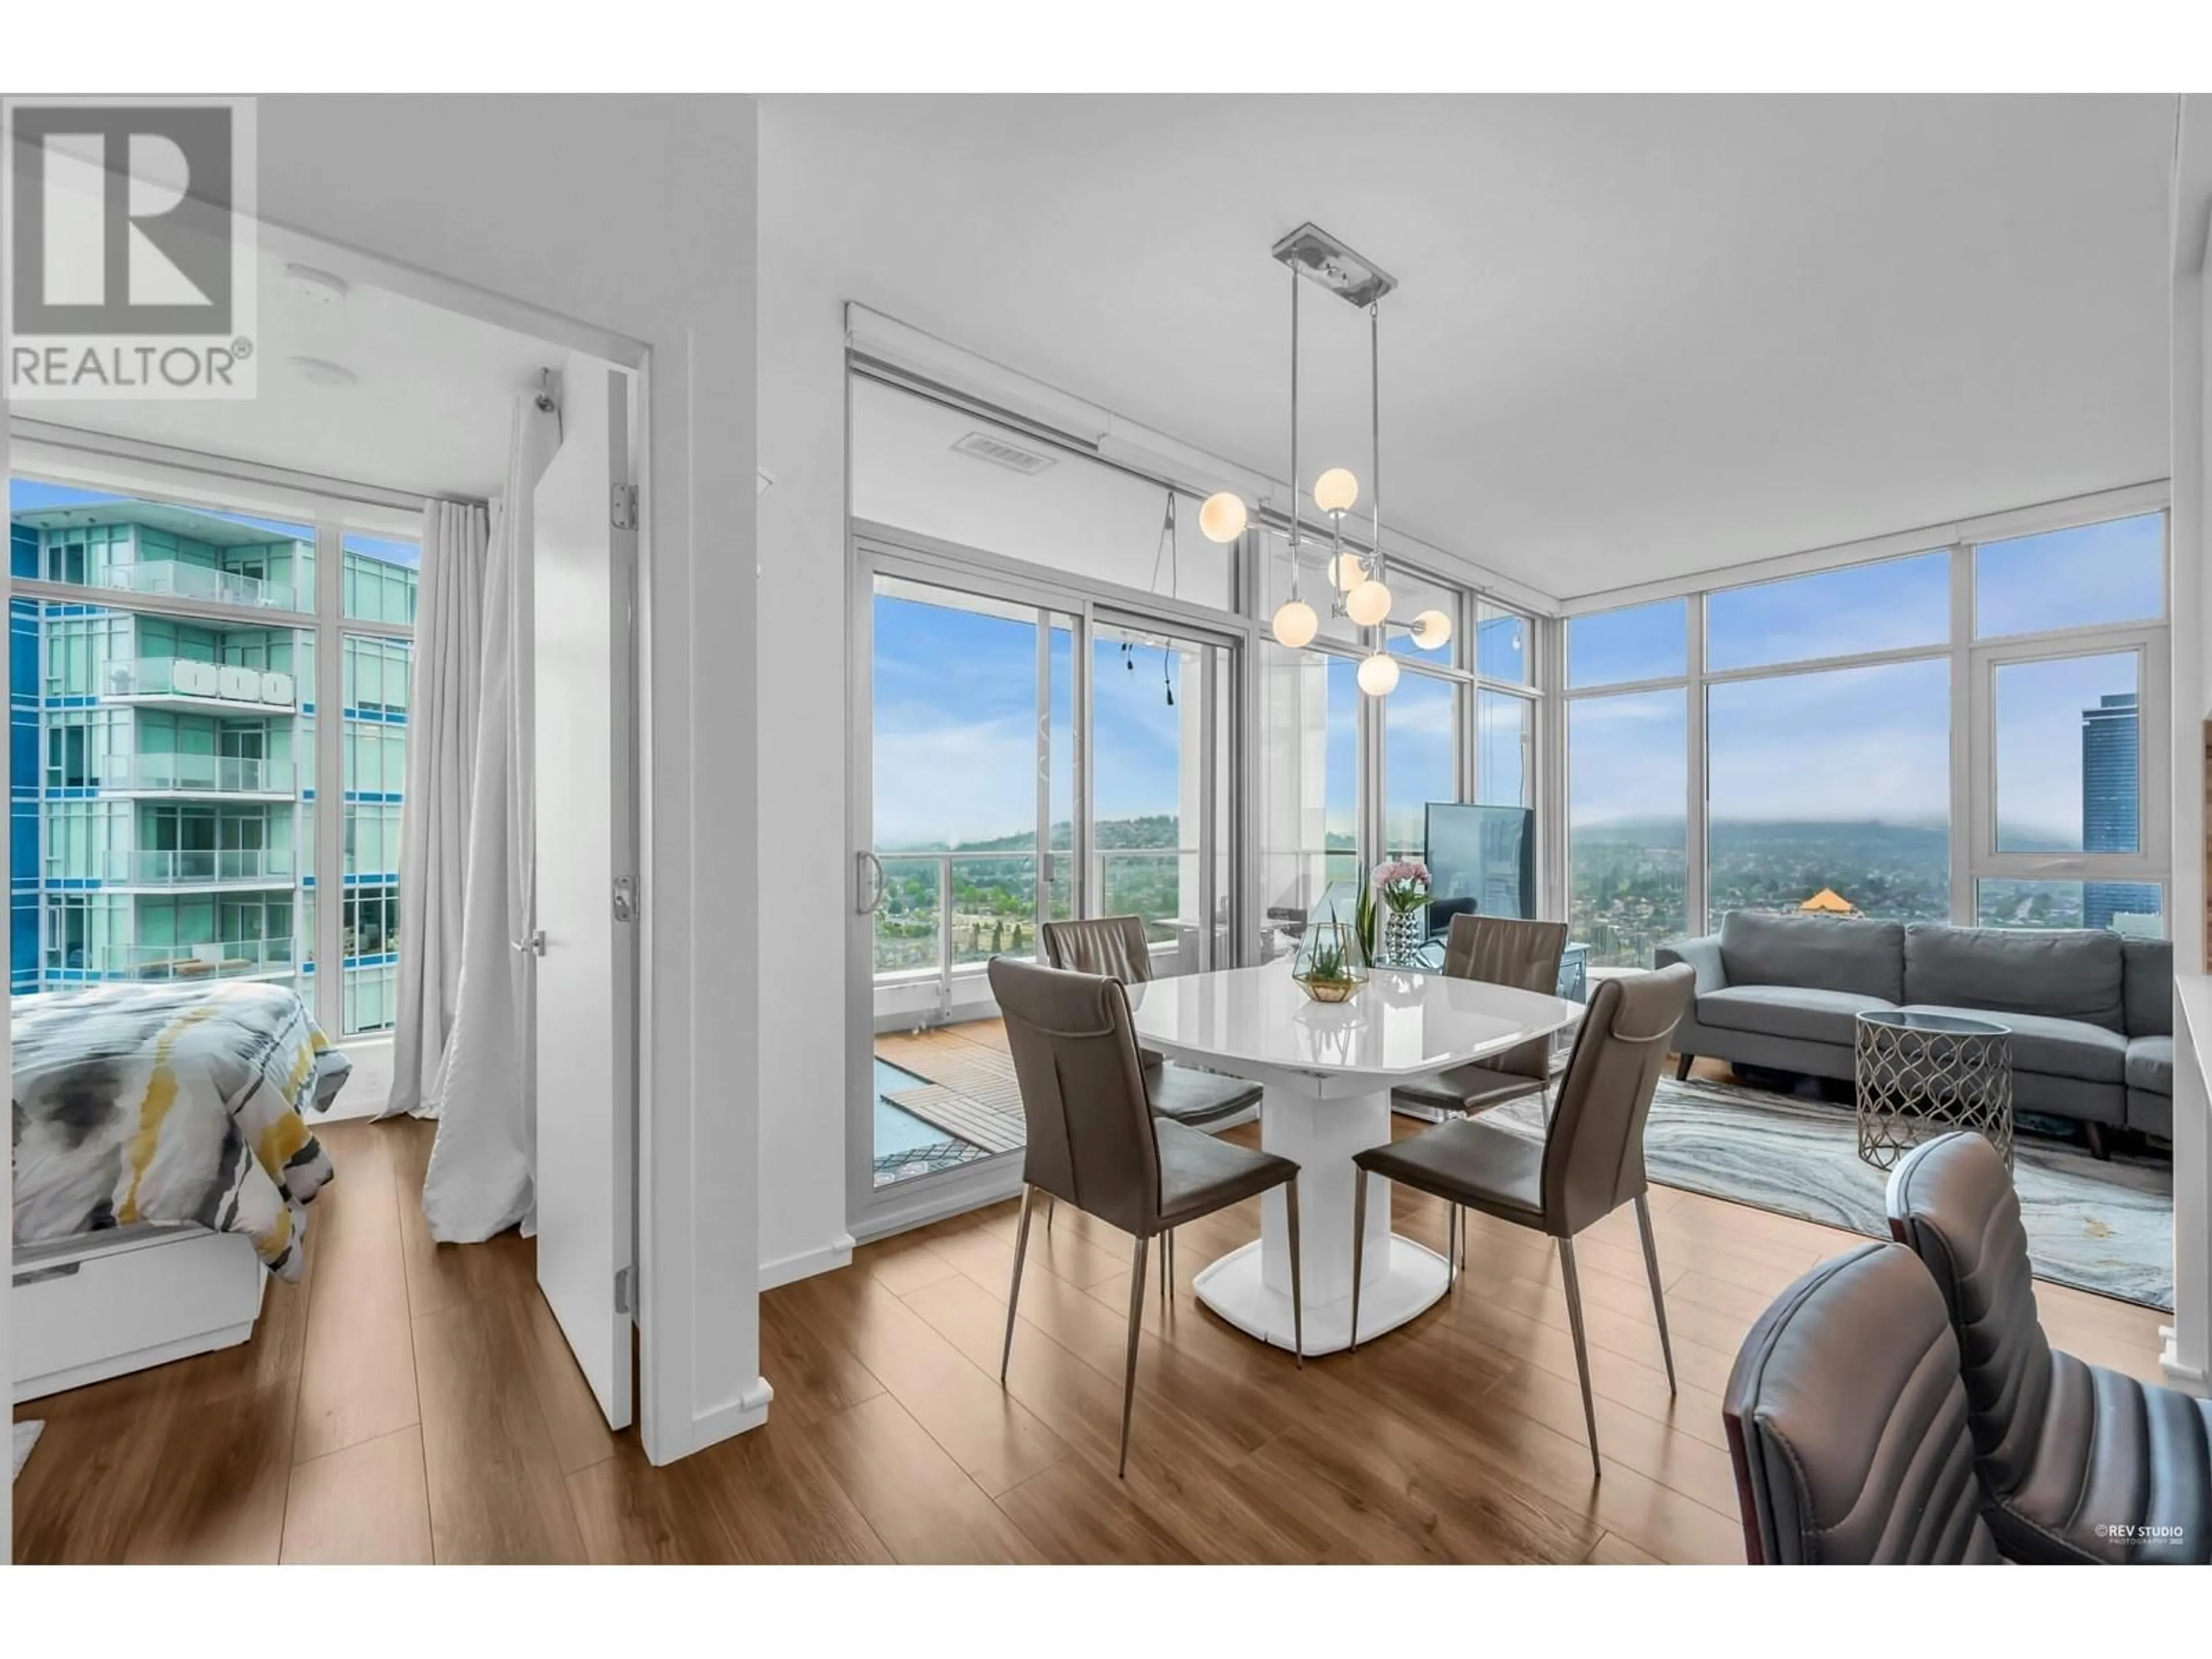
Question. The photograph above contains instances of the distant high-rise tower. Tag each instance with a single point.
(2111, 806)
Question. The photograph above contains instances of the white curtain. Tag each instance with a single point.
(480, 1176)
(441, 746)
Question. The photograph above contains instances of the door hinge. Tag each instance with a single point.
(625, 514)
(623, 1296)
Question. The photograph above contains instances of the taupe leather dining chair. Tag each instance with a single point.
(2077, 1463)
(1523, 955)
(1847, 1423)
(1116, 946)
(1588, 1165)
(1094, 1141)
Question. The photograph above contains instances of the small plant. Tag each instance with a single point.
(1328, 965)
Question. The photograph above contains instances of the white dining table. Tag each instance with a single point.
(1327, 1072)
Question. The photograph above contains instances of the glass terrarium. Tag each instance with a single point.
(1330, 964)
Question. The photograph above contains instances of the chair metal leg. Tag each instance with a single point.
(1359, 1246)
(1651, 1270)
(1451, 1247)
(1047, 1215)
(1136, 1323)
(1581, 1349)
(1166, 1261)
(1297, 1274)
(1014, 1291)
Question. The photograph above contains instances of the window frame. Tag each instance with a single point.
(1973, 853)
(332, 516)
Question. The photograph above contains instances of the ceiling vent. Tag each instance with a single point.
(999, 453)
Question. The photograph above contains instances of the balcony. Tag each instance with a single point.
(275, 958)
(930, 955)
(172, 578)
(237, 866)
(196, 774)
(183, 683)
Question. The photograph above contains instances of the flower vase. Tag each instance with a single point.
(1404, 933)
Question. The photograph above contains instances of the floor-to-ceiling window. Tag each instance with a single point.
(1959, 733)
(163, 664)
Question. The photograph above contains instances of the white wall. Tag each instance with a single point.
(805, 890)
(634, 216)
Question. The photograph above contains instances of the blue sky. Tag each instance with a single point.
(28, 495)
(956, 704)
(1869, 743)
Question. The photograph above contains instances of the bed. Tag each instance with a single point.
(164, 1168)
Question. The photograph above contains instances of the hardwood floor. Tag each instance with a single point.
(411, 1402)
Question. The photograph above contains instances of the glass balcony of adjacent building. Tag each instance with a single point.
(183, 683)
(253, 958)
(177, 579)
(180, 868)
(229, 775)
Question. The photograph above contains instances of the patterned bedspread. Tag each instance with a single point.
(167, 1104)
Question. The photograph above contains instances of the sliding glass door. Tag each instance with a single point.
(1031, 754)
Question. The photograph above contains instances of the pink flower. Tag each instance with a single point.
(1401, 873)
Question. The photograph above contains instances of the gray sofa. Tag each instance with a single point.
(2091, 1013)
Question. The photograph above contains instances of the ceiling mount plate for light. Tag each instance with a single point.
(1313, 252)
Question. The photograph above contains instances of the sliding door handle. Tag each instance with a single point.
(867, 883)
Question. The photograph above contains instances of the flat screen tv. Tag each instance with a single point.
(1485, 853)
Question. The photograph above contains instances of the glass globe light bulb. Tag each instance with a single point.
(1347, 572)
(1431, 629)
(1378, 674)
(1296, 623)
(1335, 490)
(1221, 518)
(1368, 603)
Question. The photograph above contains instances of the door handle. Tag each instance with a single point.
(867, 883)
(535, 944)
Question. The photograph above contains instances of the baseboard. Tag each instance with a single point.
(790, 1269)
(2189, 1379)
(348, 1108)
(748, 1411)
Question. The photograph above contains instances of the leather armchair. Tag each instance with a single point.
(1847, 1423)
(2077, 1463)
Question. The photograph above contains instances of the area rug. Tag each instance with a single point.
(27, 1435)
(2103, 1227)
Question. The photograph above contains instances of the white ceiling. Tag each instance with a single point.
(1637, 337)
(431, 412)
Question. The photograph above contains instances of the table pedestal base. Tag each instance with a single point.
(1250, 1287)
(1413, 1280)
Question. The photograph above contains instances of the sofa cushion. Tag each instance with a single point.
(2056, 1048)
(1789, 1010)
(2146, 972)
(2150, 1064)
(2072, 974)
(1820, 953)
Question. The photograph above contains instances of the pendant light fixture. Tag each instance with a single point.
(1357, 579)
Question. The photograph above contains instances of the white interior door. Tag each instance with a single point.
(585, 880)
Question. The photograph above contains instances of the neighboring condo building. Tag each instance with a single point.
(2111, 820)
(162, 763)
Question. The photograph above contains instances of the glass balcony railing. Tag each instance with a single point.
(229, 959)
(152, 677)
(943, 910)
(173, 578)
(924, 936)
(196, 774)
(264, 866)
